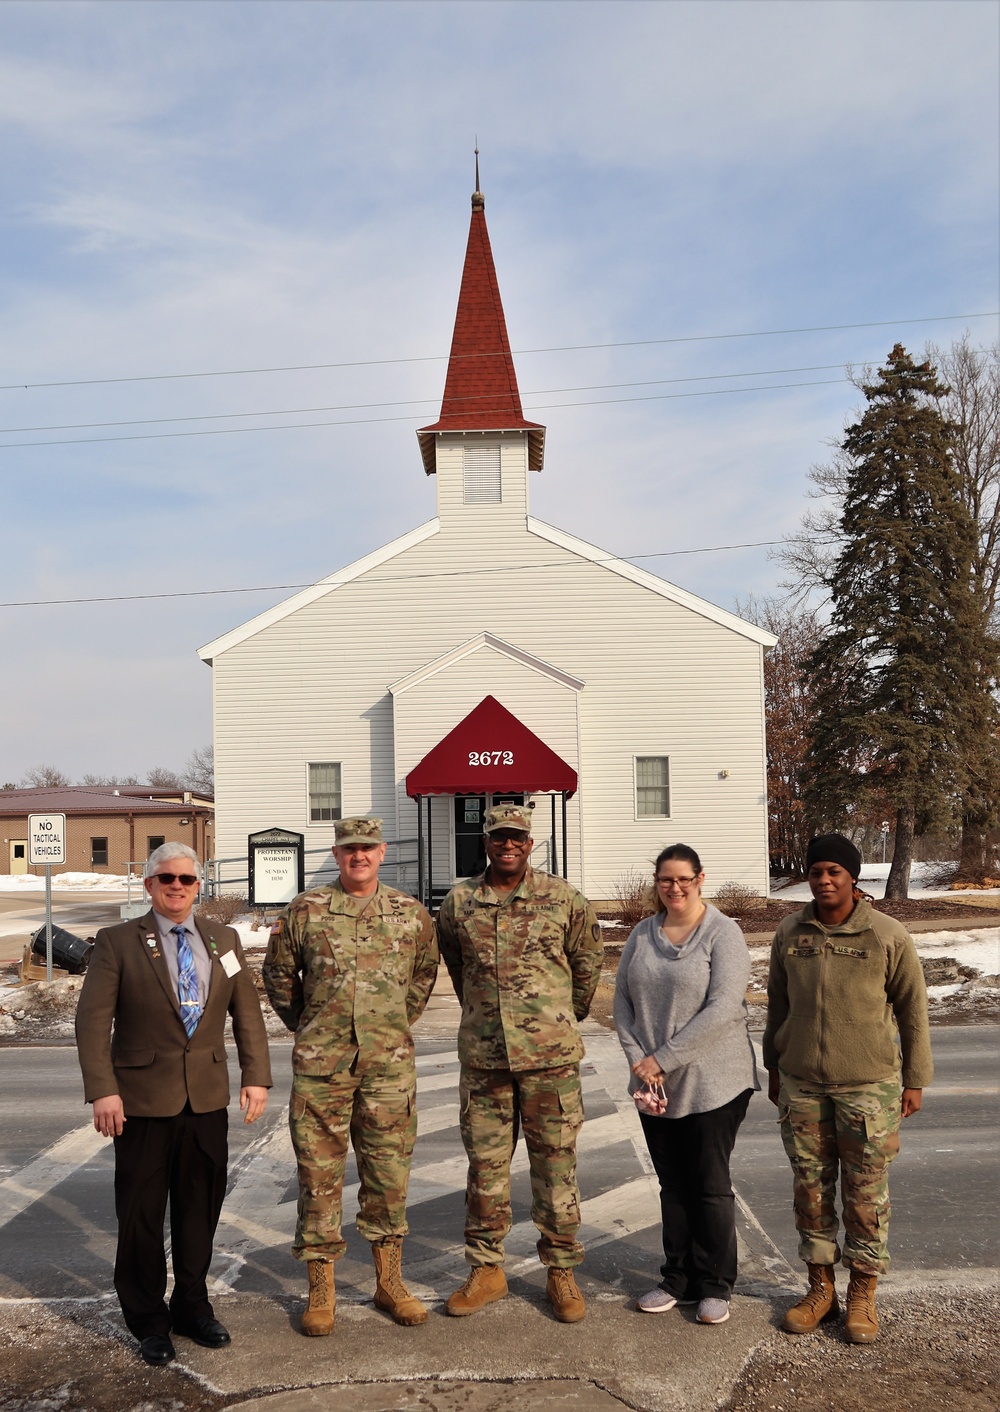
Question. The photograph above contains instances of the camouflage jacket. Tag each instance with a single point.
(525, 969)
(350, 975)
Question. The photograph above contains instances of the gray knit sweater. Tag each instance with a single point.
(688, 1009)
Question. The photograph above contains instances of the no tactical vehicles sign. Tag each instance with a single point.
(47, 839)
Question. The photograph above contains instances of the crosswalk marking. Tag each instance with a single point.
(29, 1184)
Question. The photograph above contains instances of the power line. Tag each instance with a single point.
(369, 421)
(390, 578)
(415, 401)
(517, 353)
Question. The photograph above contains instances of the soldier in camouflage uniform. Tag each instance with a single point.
(348, 969)
(847, 1046)
(524, 953)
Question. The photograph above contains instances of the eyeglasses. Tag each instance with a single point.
(188, 879)
(682, 883)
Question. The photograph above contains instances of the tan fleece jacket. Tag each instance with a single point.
(841, 1001)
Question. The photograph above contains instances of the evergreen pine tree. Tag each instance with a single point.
(897, 681)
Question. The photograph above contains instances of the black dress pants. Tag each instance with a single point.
(182, 1159)
(697, 1206)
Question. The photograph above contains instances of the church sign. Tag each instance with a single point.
(276, 867)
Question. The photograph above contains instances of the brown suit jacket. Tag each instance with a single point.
(130, 1036)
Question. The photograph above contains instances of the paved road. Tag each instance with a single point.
(944, 1212)
(57, 1242)
(57, 1218)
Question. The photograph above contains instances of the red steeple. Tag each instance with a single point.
(480, 391)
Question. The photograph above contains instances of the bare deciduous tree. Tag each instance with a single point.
(789, 715)
(200, 770)
(44, 777)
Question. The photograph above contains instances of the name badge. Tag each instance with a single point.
(230, 962)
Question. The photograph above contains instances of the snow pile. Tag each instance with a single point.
(873, 879)
(68, 882)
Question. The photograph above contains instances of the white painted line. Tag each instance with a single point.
(56, 1164)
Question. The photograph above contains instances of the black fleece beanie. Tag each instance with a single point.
(834, 848)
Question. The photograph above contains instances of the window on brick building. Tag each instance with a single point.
(98, 852)
(154, 841)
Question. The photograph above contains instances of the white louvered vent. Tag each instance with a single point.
(481, 475)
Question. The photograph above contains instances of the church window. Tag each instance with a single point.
(324, 792)
(652, 786)
(481, 475)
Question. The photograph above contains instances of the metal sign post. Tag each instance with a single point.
(47, 847)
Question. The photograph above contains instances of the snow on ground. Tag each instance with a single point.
(979, 949)
(67, 882)
(873, 879)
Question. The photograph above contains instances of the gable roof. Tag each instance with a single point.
(485, 639)
(569, 542)
(287, 606)
(645, 579)
(480, 390)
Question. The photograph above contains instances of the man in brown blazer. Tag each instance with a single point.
(150, 1031)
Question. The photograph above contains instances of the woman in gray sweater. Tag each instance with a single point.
(681, 1017)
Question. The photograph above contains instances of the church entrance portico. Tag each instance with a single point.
(489, 758)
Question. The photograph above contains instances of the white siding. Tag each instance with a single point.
(428, 711)
(661, 678)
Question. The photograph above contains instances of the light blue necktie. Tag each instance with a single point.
(187, 982)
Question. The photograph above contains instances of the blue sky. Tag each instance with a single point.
(193, 188)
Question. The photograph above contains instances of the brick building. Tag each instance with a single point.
(107, 827)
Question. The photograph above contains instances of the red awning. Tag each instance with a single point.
(490, 751)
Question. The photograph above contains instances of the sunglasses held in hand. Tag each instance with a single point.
(651, 1099)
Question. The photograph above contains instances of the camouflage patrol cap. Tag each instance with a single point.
(357, 830)
(508, 816)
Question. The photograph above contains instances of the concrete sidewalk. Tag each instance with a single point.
(512, 1353)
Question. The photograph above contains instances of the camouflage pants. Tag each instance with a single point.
(377, 1111)
(548, 1106)
(857, 1129)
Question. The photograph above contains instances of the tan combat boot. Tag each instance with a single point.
(861, 1324)
(566, 1300)
(317, 1321)
(484, 1284)
(819, 1302)
(391, 1294)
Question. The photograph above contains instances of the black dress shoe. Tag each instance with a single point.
(206, 1331)
(157, 1350)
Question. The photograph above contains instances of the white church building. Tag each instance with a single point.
(487, 656)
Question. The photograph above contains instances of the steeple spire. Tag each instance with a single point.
(480, 390)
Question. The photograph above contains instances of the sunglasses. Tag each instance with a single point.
(188, 879)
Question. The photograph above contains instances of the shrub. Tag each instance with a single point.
(735, 899)
(636, 898)
(225, 908)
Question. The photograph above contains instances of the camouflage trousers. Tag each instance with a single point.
(823, 1127)
(548, 1107)
(378, 1113)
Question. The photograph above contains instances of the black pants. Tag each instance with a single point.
(184, 1159)
(697, 1206)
